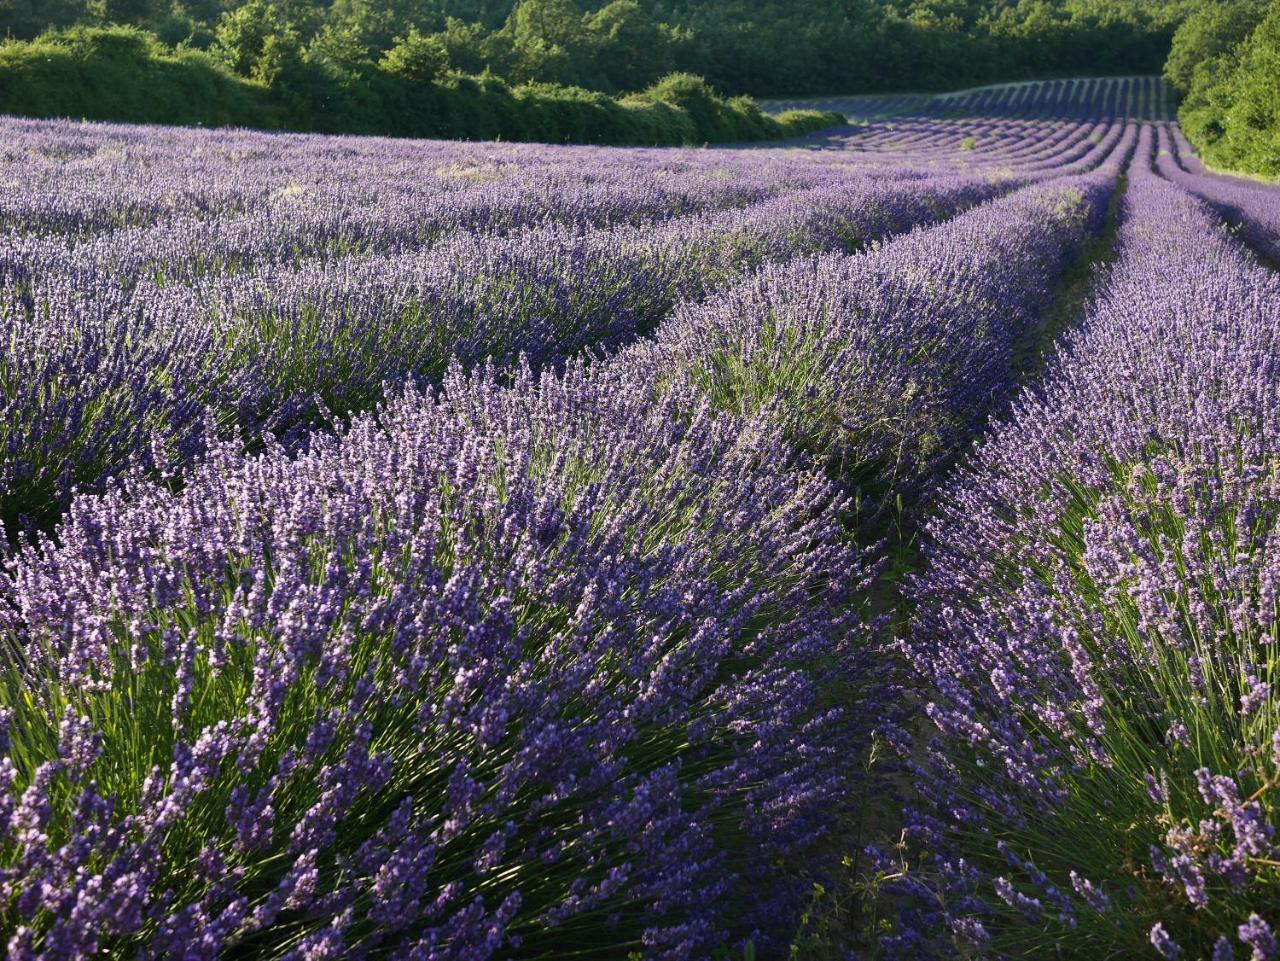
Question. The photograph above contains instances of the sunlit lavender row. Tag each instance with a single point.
(474, 551)
(1096, 626)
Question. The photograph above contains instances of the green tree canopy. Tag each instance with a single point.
(1211, 31)
(762, 47)
(417, 57)
(632, 48)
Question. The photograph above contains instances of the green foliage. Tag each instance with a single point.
(257, 42)
(124, 11)
(1232, 110)
(120, 73)
(254, 77)
(1152, 722)
(1212, 31)
(341, 48)
(633, 46)
(366, 64)
(417, 58)
(763, 47)
(466, 45)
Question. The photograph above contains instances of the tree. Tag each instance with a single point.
(467, 46)
(380, 22)
(554, 22)
(26, 19)
(417, 57)
(256, 42)
(133, 12)
(632, 49)
(550, 43)
(1252, 123)
(205, 11)
(1212, 31)
(341, 47)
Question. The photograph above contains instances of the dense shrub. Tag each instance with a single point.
(122, 73)
(416, 58)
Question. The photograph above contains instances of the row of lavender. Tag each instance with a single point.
(136, 348)
(539, 666)
(1250, 206)
(1097, 626)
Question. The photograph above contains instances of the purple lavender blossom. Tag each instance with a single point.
(1256, 934)
(1165, 945)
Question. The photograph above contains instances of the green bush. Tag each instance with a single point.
(660, 122)
(710, 114)
(717, 120)
(125, 74)
(416, 57)
(1231, 112)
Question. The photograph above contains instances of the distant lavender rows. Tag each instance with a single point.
(1091, 98)
(528, 663)
(1251, 206)
(1140, 98)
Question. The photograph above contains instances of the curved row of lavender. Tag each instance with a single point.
(133, 348)
(1143, 98)
(503, 672)
(161, 369)
(1097, 630)
(542, 666)
(1250, 206)
(883, 362)
(1107, 98)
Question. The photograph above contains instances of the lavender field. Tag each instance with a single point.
(866, 547)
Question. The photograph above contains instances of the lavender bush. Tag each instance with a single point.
(881, 363)
(513, 668)
(1249, 206)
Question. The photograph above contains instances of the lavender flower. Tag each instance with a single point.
(1256, 933)
(1165, 945)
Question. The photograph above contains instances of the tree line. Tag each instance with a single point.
(758, 47)
(294, 65)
